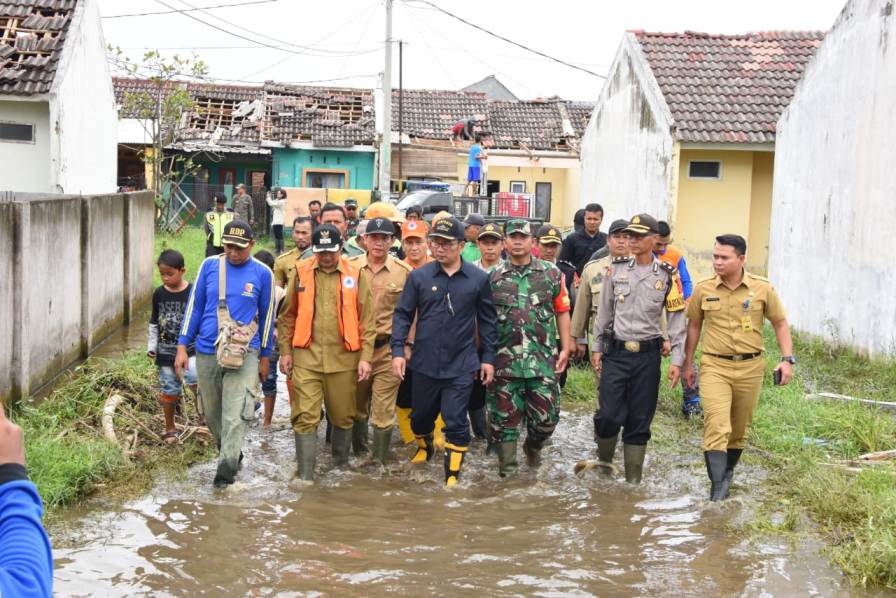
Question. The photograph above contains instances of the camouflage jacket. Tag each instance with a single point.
(527, 301)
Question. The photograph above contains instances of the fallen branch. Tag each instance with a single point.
(878, 456)
(886, 405)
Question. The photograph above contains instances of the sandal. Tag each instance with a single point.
(171, 438)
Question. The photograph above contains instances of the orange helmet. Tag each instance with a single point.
(381, 209)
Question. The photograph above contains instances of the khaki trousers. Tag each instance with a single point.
(377, 395)
(336, 390)
(729, 391)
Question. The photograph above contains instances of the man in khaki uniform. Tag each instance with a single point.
(628, 342)
(730, 308)
(284, 265)
(326, 344)
(588, 295)
(386, 276)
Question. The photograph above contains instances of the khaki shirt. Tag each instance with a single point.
(386, 285)
(732, 320)
(327, 353)
(588, 296)
(285, 266)
(633, 299)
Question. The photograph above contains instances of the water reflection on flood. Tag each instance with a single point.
(364, 532)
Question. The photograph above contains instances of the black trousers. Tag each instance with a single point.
(449, 396)
(278, 238)
(629, 386)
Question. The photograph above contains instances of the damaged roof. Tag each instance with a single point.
(728, 88)
(325, 116)
(32, 34)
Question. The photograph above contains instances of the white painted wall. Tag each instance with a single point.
(84, 151)
(831, 254)
(627, 147)
(26, 166)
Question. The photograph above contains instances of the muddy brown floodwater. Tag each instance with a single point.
(363, 532)
(366, 532)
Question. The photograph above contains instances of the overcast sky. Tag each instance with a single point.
(345, 37)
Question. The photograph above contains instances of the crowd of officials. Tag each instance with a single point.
(461, 329)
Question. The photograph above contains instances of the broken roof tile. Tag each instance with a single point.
(32, 33)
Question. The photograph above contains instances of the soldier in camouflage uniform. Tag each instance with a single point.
(531, 304)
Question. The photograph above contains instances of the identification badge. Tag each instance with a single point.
(746, 324)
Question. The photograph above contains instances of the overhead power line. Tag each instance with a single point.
(168, 12)
(502, 38)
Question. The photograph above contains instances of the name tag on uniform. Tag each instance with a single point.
(746, 324)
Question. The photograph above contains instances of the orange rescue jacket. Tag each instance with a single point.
(346, 298)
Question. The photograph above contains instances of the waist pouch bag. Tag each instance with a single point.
(233, 339)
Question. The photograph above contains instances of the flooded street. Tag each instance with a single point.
(365, 532)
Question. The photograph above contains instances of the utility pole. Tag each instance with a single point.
(400, 106)
(386, 144)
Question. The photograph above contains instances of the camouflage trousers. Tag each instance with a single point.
(509, 400)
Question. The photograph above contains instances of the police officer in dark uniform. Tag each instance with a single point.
(627, 345)
(451, 299)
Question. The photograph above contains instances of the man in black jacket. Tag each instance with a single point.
(578, 246)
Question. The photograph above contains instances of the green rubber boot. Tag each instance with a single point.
(306, 455)
(532, 450)
(606, 450)
(633, 455)
(341, 446)
(382, 437)
(359, 437)
(507, 464)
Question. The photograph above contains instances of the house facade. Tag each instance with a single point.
(684, 129)
(834, 188)
(53, 72)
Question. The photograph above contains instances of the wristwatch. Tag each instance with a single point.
(789, 359)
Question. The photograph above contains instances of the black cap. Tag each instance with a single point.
(642, 224)
(474, 220)
(326, 237)
(618, 226)
(351, 202)
(490, 230)
(548, 233)
(379, 226)
(237, 232)
(220, 199)
(448, 228)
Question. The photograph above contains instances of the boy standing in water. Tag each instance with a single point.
(169, 302)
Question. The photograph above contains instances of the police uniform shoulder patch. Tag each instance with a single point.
(668, 267)
(621, 259)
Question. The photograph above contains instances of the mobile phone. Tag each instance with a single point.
(777, 376)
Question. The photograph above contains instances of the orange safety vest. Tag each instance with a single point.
(671, 257)
(346, 299)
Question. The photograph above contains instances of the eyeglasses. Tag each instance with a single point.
(443, 243)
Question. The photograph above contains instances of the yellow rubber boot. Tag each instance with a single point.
(424, 449)
(438, 436)
(404, 424)
(454, 458)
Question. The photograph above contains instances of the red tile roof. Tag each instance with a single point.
(728, 88)
(32, 34)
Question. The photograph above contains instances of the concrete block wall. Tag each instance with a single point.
(73, 269)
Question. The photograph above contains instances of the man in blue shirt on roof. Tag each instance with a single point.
(227, 388)
(451, 300)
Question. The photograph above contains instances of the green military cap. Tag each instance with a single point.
(517, 225)
(490, 230)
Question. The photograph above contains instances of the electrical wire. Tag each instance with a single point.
(502, 38)
(168, 12)
(433, 54)
(363, 31)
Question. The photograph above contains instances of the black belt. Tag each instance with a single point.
(738, 357)
(653, 344)
(381, 340)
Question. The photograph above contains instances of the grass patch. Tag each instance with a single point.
(799, 440)
(67, 455)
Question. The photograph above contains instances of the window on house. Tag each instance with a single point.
(16, 132)
(325, 180)
(705, 169)
(517, 186)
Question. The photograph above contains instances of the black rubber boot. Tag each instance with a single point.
(306, 455)
(507, 463)
(359, 437)
(716, 462)
(606, 449)
(381, 440)
(340, 446)
(733, 458)
(532, 450)
(477, 422)
(633, 455)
